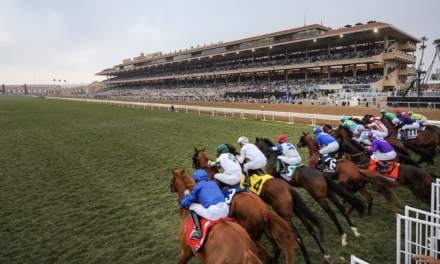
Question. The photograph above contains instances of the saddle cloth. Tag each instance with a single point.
(290, 171)
(230, 193)
(257, 183)
(196, 244)
(409, 134)
(393, 168)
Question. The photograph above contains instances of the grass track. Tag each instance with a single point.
(84, 183)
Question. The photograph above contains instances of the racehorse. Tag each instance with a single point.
(284, 200)
(426, 140)
(226, 242)
(350, 176)
(416, 179)
(318, 185)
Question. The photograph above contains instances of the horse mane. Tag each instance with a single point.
(355, 144)
(349, 132)
(189, 183)
(232, 149)
(357, 121)
(268, 142)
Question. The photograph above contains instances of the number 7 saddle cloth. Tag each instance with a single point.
(257, 182)
(393, 168)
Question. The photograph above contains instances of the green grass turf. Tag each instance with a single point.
(84, 183)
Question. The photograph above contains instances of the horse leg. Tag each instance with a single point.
(369, 199)
(332, 197)
(262, 251)
(311, 231)
(288, 219)
(324, 205)
(275, 246)
(185, 255)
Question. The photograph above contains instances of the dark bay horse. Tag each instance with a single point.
(426, 141)
(284, 200)
(416, 179)
(350, 176)
(226, 242)
(318, 185)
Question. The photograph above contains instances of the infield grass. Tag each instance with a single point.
(84, 183)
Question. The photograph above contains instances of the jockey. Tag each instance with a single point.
(398, 111)
(291, 155)
(382, 151)
(419, 118)
(392, 117)
(363, 138)
(324, 139)
(251, 152)
(380, 129)
(232, 170)
(407, 123)
(211, 204)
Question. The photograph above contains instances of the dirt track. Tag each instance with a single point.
(309, 109)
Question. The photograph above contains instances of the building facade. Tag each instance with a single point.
(375, 55)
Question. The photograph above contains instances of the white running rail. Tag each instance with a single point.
(417, 233)
(216, 110)
(435, 198)
(355, 260)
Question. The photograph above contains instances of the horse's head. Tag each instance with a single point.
(342, 132)
(200, 160)
(366, 118)
(263, 144)
(302, 143)
(326, 128)
(180, 181)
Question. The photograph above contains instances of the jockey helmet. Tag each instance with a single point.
(410, 112)
(222, 148)
(397, 110)
(373, 119)
(317, 129)
(282, 138)
(399, 115)
(383, 111)
(199, 174)
(370, 134)
(343, 117)
(243, 140)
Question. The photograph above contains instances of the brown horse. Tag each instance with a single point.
(425, 141)
(284, 200)
(350, 176)
(318, 185)
(416, 179)
(227, 242)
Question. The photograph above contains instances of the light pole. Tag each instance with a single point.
(34, 78)
(65, 84)
(53, 89)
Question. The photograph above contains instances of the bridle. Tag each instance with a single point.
(173, 193)
(196, 161)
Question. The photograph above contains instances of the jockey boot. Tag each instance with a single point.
(321, 162)
(196, 233)
(283, 167)
(403, 136)
(247, 181)
(383, 167)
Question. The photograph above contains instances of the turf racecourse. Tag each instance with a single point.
(85, 183)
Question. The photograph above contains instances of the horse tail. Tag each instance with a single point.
(251, 258)
(300, 208)
(281, 230)
(400, 150)
(382, 185)
(350, 198)
(424, 155)
(408, 160)
(434, 176)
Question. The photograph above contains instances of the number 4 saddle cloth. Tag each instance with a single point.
(393, 168)
(257, 182)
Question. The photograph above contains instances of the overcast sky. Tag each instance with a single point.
(73, 40)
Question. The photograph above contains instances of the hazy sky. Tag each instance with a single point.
(73, 40)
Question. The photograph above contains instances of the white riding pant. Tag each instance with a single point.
(257, 163)
(231, 179)
(377, 155)
(290, 161)
(414, 125)
(332, 147)
(380, 134)
(214, 212)
(395, 120)
(423, 120)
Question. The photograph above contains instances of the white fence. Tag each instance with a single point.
(264, 115)
(355, 260)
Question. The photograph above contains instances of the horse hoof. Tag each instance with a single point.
(328, 258)
(367, 213)
(355, 231)
(344, 240)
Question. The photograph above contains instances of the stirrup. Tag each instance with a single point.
(195, 234)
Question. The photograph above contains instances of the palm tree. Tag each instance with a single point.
(436, 44)
(422, 48)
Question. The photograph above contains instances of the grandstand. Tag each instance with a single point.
(364, 57)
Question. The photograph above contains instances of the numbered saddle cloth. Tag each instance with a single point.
(330, 165)
(290, 171)
(409, 134)
(393, 168)
(230, 194)
(257, 182)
